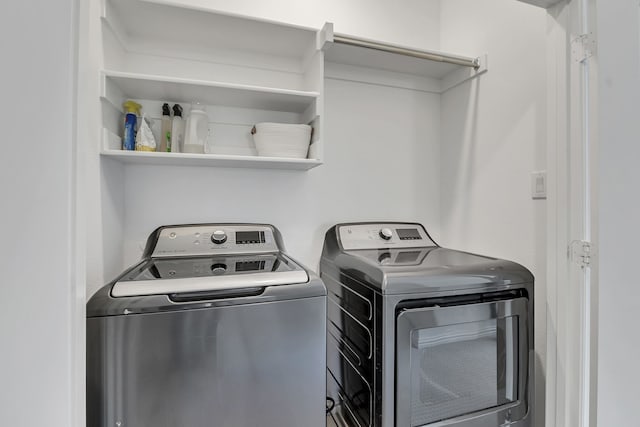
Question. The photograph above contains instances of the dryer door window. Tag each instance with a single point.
(460, 362)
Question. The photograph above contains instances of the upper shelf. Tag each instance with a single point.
(145, 24)
(391, 61)
(150, 87)
(379, 60)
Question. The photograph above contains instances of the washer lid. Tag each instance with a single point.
(163, 276)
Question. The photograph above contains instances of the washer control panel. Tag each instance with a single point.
(179, 268)
(383, 235)
(214, 239)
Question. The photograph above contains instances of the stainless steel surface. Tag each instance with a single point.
(454, 389)
(421, 54)
(226, 339)
(377, 235)
(335, 419)
(203, 266)
(103, 304)
(368, 290)
(212, 283)
(249, 365)
(358, 249)
(211, 239)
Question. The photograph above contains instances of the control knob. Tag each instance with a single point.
(219, 268)
(384, 258)
(385, 233)
(218, 237)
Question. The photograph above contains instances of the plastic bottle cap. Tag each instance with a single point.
(165, 110)
(177, 110)
(198, 106)
(132, 107)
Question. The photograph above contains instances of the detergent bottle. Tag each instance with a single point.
(132, 111)
(197, 129)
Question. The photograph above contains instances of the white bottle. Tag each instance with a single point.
(177, 129)
(197, 129)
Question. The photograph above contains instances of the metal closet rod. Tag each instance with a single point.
(352, 41)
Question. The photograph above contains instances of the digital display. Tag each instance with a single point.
(408, 234)
(249, 265)
(244, 237)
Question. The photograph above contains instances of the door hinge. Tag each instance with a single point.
(580, 252)
(583, 47)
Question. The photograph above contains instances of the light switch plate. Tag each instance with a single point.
(539, 185)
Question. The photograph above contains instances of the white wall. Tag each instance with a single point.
(493, 137)
(619, 210)
(37, 253)
(409, 22)
(370, 171)
(101, 181)
(380, 163)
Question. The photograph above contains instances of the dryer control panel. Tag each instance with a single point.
(212, 239)
(383, 235)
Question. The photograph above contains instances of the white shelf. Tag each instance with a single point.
(162, 88)
(243, 70)
(394, 65)
(371, 58)
(147, 25)
(219, 160)
(111, 144)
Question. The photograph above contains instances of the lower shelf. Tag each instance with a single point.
(215, 160)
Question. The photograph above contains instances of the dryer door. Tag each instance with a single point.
(463, 365)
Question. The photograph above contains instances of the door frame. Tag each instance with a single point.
(571, 376)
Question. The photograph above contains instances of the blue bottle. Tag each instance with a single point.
(132, 110)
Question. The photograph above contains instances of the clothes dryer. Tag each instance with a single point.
(420, 335)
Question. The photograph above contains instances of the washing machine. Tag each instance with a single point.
(215, 327)
(420, 335)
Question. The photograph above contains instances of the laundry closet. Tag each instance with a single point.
(395, 137)
(556, 91)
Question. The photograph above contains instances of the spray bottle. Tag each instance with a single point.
(165, 130)
(177, 129)
(132, 111)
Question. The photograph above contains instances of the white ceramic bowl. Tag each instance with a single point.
(282, 140)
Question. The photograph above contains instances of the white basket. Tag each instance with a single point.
(282, 140)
